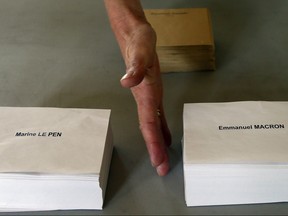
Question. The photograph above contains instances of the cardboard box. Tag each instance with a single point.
(184, 39)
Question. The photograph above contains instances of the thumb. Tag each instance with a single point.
(139, 58)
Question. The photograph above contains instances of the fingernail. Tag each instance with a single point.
(128, 74)
(125, 76)
(162, 169)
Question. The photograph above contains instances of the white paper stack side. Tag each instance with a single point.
(235, 153)
(53, 158)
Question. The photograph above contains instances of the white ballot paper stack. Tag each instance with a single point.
(53, 158)
(235, 153)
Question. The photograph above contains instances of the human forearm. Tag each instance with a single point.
(124, 16)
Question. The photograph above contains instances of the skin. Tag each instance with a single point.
(137, 41)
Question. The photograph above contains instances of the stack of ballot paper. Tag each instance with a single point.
(53, 158)
(184, 39)
(235, 153)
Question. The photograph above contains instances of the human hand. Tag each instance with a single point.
(137, 41)
(143, 77)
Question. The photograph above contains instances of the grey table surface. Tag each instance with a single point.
(62, 53)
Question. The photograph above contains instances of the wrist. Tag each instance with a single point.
(125, 16)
